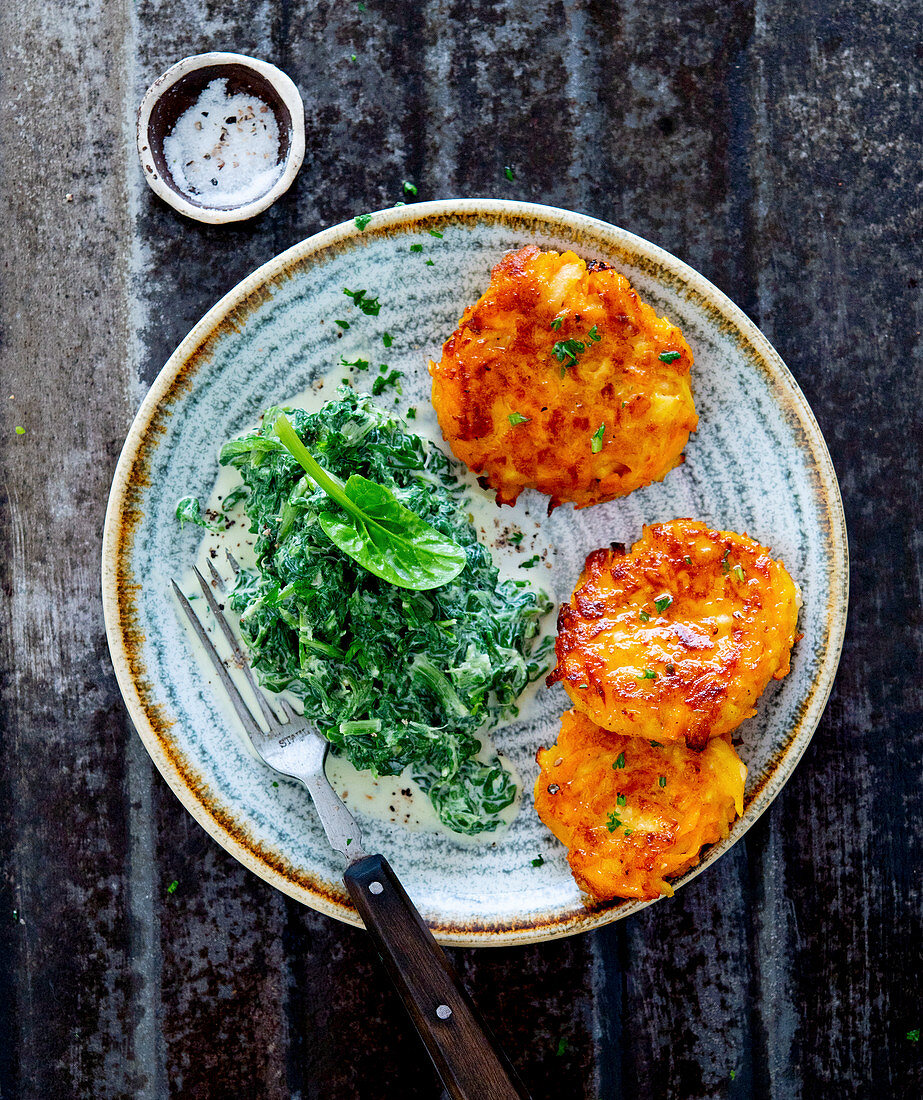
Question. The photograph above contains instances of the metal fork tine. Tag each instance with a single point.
(300, 753)
(287, 710)
(240, 657)
(243, 711)
(215, 575)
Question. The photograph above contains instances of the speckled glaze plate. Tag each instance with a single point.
(758, 464)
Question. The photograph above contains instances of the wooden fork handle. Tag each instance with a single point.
(466, 1056)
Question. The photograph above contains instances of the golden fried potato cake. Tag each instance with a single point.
(560, 378)
(676, 640)
(630, 812)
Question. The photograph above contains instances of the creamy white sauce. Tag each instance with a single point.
(224, 149)
(395, 799)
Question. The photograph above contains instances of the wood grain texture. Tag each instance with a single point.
(777, 149)
(66, 932)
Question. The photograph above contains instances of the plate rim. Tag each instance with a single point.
(116, 588)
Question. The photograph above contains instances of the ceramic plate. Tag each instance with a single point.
(758, 464)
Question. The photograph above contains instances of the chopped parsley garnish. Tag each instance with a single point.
(369, 306)
(363, 219)
(411, 413)
(359, 364)
(387, 339)
(663, 602)
(621, 800)
(567, 352)
(430, 263)
(725, 564)
(655, 744)
(20, 430)
(662, 781)
(436, 233)
(669, 356)
(409, 188)
(383, 381)
(557, 322)
(613, 822)
(687, 559)
(275, 783)
(342, 324)
(619, 761)
(508, 172)
(583, 687)
(538, 861)
(516, 539)
(534, 560)
(914, 1035)
(561, 1047)
(628, 832)
(416, 248)
(733, 1074)
(648, 674)
(643, 615)
(596, 443)
(171, 889)
(517, 418)
(738, 572)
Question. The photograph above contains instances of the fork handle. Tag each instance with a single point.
(466, 1055)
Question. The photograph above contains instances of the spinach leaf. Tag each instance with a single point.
(378, 532)
(188, 510)
(235, 496)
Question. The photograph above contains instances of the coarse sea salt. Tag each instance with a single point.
(224, 149)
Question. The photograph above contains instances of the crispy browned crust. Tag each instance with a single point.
(694, 669)
(500, 361)
(630, 813)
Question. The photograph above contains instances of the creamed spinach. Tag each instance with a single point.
(392, 677)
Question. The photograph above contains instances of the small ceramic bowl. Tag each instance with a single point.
(179, 89)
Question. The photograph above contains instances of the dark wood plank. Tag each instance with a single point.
(539, 1002)
(838, 294)
(223, 972)
(64, 898)
(671, 129)
(679, 993)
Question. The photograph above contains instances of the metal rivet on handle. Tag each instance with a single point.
(443, 1012)
(375, 888)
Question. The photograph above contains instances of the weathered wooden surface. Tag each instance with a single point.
(776, 148)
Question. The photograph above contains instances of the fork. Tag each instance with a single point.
(465, 1054)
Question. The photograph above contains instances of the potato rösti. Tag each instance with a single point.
(561, 379)
(632, 813)
(678, 638)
